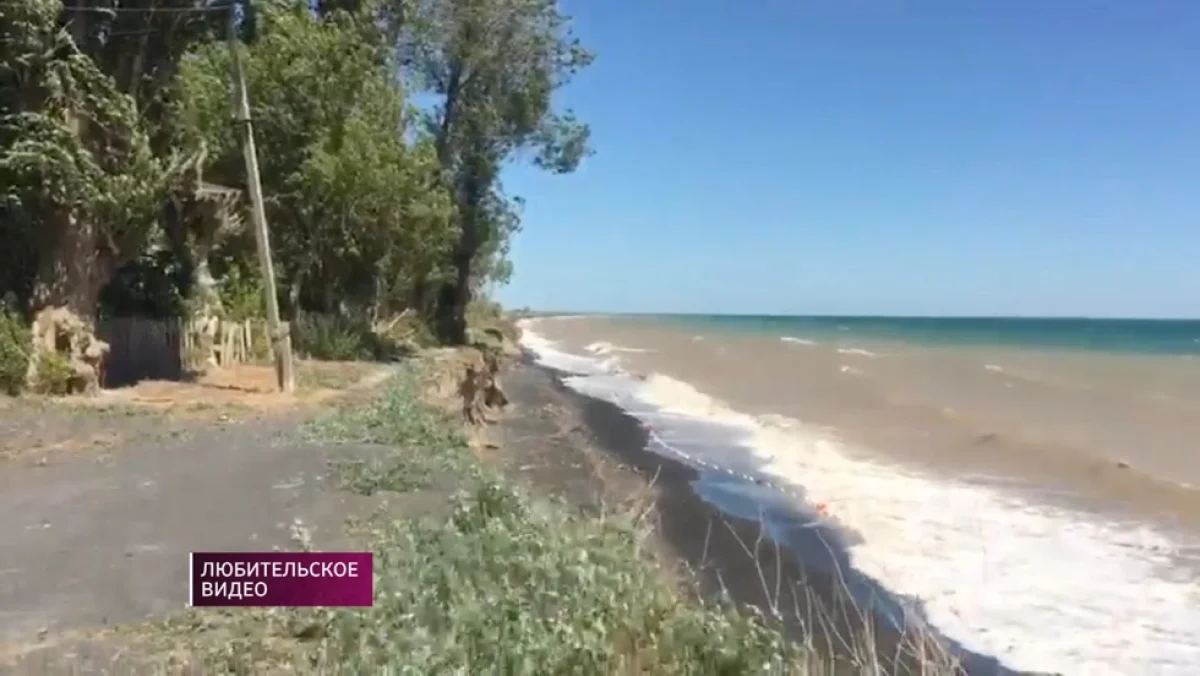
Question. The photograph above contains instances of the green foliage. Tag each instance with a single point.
(357, 217)
(16, 342)
(503, 587)
(496, 63)
(487, 323)
(506, 584)
(54, 374)
(345, 338)
(370, 214)
(330, 338)
(424, 444)
(73, 151)
(241, 295)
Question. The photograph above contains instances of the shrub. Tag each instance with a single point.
(340, 338)
(329, 337)
(54, 374)
(241, 295)
(510, 585)
(496, 581)
(16, 340)
(486, 317)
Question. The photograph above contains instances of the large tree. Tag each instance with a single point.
(356, 219)
(83, 187)
(495, 64)
(110, 111)
(83, 157)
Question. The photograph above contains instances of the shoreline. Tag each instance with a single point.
(881, 423)
(710, 531)
(786, 565)
(993, 563)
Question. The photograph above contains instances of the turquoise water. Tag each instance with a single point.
(1136, 336)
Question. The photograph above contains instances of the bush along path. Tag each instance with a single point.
(473, 575)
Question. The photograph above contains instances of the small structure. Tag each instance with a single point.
(201, 215)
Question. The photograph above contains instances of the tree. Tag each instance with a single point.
(110, 116)
(496, 65)
(85, 158)
(353, 216)
(83, 187)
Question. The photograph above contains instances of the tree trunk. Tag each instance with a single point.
(73, 267)
(453, 299)
(455, 295)
(449, 114)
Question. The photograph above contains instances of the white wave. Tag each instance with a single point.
(797, 341)
(849, 370)
(549, 354)
(1039, 587)
(994, 571)
(602, 347)
(858, 351)
(993, 368)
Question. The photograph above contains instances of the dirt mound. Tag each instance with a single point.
(466, 380)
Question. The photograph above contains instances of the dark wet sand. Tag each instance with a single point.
(803, 575)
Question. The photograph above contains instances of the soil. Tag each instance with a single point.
(101, 500)
(38, 430)
(94, 539)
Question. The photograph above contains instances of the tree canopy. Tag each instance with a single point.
(115, 117)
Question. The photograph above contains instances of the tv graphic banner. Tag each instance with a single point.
(297, 579)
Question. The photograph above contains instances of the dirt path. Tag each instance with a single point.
(97, 535)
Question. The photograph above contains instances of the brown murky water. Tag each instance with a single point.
(1113, 432)
(1010, 491)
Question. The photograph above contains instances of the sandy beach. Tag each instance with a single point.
(1003, 490)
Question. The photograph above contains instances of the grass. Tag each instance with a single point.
(504, 584)
(423, 442)
(510, 585)
(329, 375)
(83, 407)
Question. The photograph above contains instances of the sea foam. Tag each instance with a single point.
(858, 351)
(602, 347)
(1039, 587)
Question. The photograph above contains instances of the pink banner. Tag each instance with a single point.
(281, 579)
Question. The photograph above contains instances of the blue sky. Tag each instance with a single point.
(934, 157)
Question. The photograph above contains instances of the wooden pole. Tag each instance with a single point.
(281, 341)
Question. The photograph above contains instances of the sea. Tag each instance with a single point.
(1030, 488)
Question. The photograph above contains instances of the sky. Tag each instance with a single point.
(879, 157)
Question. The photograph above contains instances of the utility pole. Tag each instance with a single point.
(281, 340)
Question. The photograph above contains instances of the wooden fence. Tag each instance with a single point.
(169, 349)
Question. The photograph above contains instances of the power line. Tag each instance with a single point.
(149, 10)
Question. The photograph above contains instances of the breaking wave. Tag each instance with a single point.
(1039, 587)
